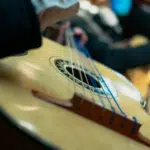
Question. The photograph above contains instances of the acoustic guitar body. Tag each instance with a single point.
(37, 91)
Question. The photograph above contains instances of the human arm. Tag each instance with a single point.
(52, 15)
(77, 32)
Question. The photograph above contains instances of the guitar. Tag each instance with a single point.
(58, 96)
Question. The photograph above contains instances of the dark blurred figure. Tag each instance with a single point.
(137, 22)
(21, 22)
(119, 56)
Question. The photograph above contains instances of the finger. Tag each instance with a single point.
(77, 31)
(82, 34)
(65, 26)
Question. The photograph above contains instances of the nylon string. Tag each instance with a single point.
(81, 64)
(69, 37)
(81, 59)
(92, 64)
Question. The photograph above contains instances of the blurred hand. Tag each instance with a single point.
(77, 31)
(80, 33)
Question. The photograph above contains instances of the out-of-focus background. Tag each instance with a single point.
(117, 35)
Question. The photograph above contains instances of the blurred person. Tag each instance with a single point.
(120, 56)
(137, 21)
(22, 22)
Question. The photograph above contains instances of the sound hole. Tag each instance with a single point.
(83, 77)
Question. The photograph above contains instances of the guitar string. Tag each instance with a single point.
(134, 118)
(60, 40)
(91, 91)
(71, 59)
(125, 116)
(78, 63)
(111, 106)
(133, 130)
(101, 78)
(123, 113)
(70, 51)
(74, 47)
(69, 37)
(94, 82)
